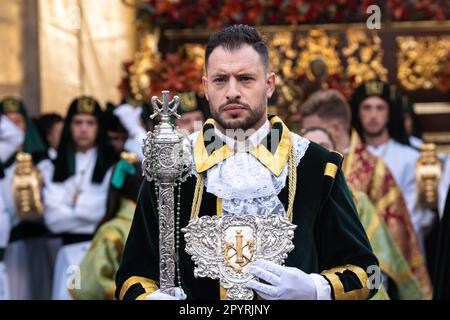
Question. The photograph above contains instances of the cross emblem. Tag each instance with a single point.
(237, 250)
(165, 108)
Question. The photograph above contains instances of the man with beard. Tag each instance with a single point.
(377, 117)
(248, 163)
(369, 174)
(75, 200)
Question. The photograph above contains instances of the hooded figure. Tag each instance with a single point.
(50, 126)
(106, 155)
(191, 112)
(412, 124)
(76, 198)
(377, 115)
(391, 95)
(99, 266)
(12, 138)
(116, 132)
(27, 257)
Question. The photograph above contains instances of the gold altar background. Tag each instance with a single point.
(54, 50)
(410, 55)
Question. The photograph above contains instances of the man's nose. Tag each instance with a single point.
(373, 114)
(233, 92)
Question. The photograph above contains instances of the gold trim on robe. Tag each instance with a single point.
(148, 285)
(370, 174)
(275, 161)
(338, 286)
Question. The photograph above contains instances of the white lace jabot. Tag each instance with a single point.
(246, 185)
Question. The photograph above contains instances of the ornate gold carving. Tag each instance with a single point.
(26, 186)
(428, 174)
(197, 53)
(318, 46)
(420, 60)
(364, 57)
(294, 58)
(146, 57)
(282, 57)
(436, 25)
(281, 54)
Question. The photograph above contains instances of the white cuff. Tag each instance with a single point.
(323, 289)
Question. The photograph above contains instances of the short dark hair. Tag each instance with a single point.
(233, 37)
(328, 105)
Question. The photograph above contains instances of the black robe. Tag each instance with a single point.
(442, 273)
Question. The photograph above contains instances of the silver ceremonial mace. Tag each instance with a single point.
(166, 161)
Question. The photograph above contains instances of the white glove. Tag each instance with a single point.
(4, 283)
(130, 117)
(176, 294)
(284, 283)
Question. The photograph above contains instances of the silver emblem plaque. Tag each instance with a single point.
(224, 247)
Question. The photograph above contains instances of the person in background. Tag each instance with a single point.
(75, 200)
(4, 235)
(329, 110)
(50, 126)
(377, 116)
(11, 137)
(191, 114)
(411, 121)
(27, 257)
(116, 132)
(442, 275)
(147, 123)
(319, 136)
(99, 266)
(398, 279)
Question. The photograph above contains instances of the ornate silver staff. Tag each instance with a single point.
(167, 161)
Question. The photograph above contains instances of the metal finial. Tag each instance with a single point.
(165, 108)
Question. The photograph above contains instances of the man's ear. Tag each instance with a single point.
(270, 84)
(205, 86)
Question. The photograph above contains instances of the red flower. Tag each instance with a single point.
(217, 13)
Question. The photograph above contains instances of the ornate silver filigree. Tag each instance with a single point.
(224, 247)
(166, 161)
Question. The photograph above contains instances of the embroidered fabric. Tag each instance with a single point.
(247, 186)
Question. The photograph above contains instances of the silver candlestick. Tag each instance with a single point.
(167, 160)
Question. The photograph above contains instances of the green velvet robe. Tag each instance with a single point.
(329, 238)
(324, 239)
